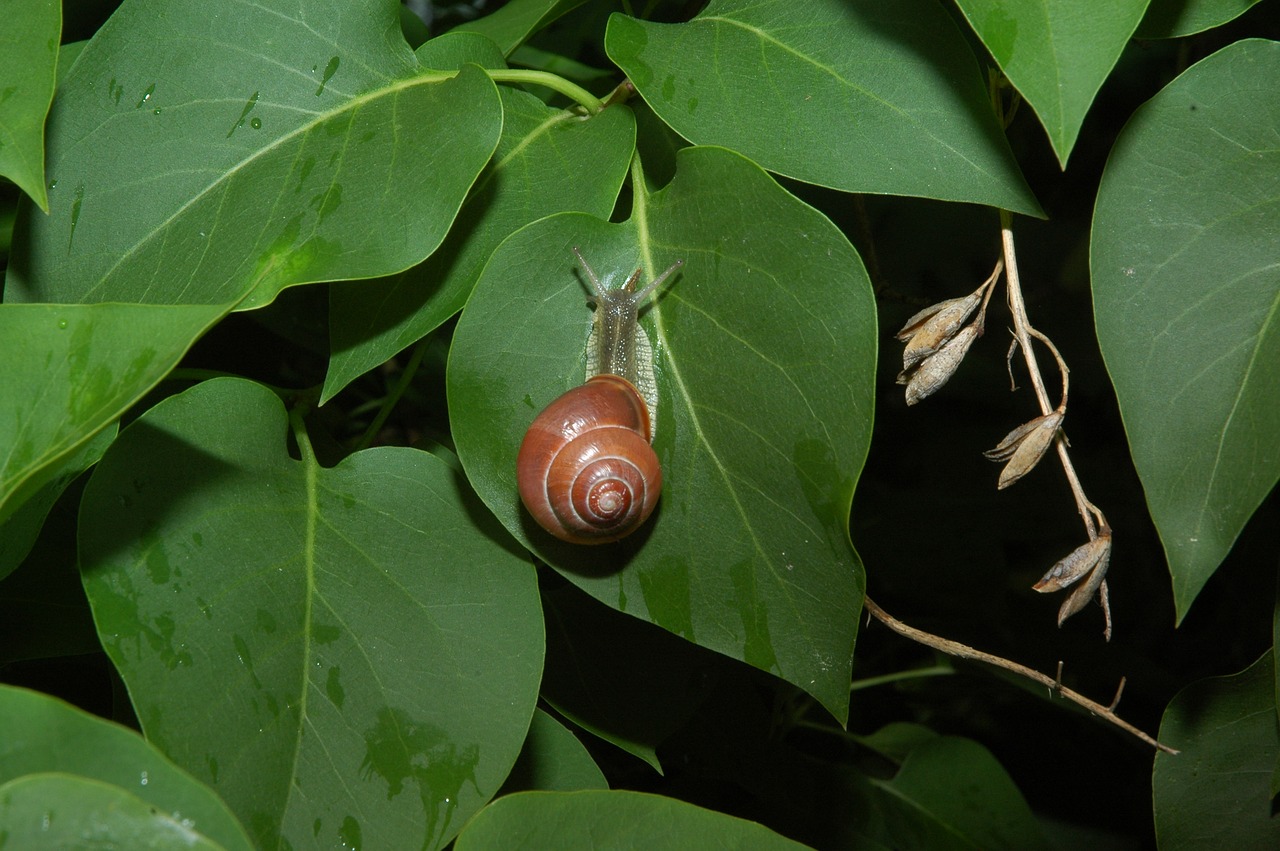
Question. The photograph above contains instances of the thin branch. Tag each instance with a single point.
(1023, 332)
(963, 651)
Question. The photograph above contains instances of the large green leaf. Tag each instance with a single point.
(766, 345)
(1186, 296)
(1057, 53)
(1217, 792)
(858, 95)
(28, 63)
(1177, 18)
(68, 813)
(42, 735)
(952, 793)
(70, 370)
(593, 819)
(341, 653)
(205, 150)
(537, 170)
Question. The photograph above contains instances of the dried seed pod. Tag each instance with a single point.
(929, 330)
(1083, 594)
(1025, 446)
(935, 370)
(1079, 562)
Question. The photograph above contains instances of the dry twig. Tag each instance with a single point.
(963, 651)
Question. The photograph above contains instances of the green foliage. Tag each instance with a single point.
(306, 275)
(1187, 295)
(28, 63)
(1218, 791)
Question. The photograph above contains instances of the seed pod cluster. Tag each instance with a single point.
(937, 340)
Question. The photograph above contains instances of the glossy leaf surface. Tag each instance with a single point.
(343, 654)
(182, 177)
(1217, 792)
(28, 63)
(605, 819)
(840, 95)
(536, 171)
(70, 371)
(766, 344)
(1057, 53)
(1186, 295)
(60, 811)
(47, 738)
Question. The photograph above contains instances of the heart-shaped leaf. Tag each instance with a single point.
(1186, 293)
(28, 63)
(70, 371)
(345, 652)
(1055, 53)
(765, 365)
(1216, 793)
(841, 95)
(321, 152)
(536, 171)
(594, 819)
(44, 735)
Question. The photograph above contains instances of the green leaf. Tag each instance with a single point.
(617, 678)
(72, 813)
(536, 171)
(28, 64)
(206, 151)
(1186, 295)
(1216, 793)
(766, 357)
(841, 96)
(42, 734)
(346, 654)
(553, 760)
(952, 793)
(19, 532)
(1056, 53)
(603, 819)
(509, 26)
(70, 371)
(1177, 18)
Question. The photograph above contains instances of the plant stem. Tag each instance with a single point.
(963, 651)
(402, 383)
(556, 83)
(917, 673)
(1023, 332)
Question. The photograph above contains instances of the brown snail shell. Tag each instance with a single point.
(586, 471)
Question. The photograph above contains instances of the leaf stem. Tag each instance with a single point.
(898, 676)
(556, 83)
(393, 397)
(1054, 684)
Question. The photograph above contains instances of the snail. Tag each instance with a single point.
(586, 470)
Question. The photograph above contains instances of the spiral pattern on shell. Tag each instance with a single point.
(585, 470)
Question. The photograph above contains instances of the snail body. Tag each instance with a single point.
(586, 469)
